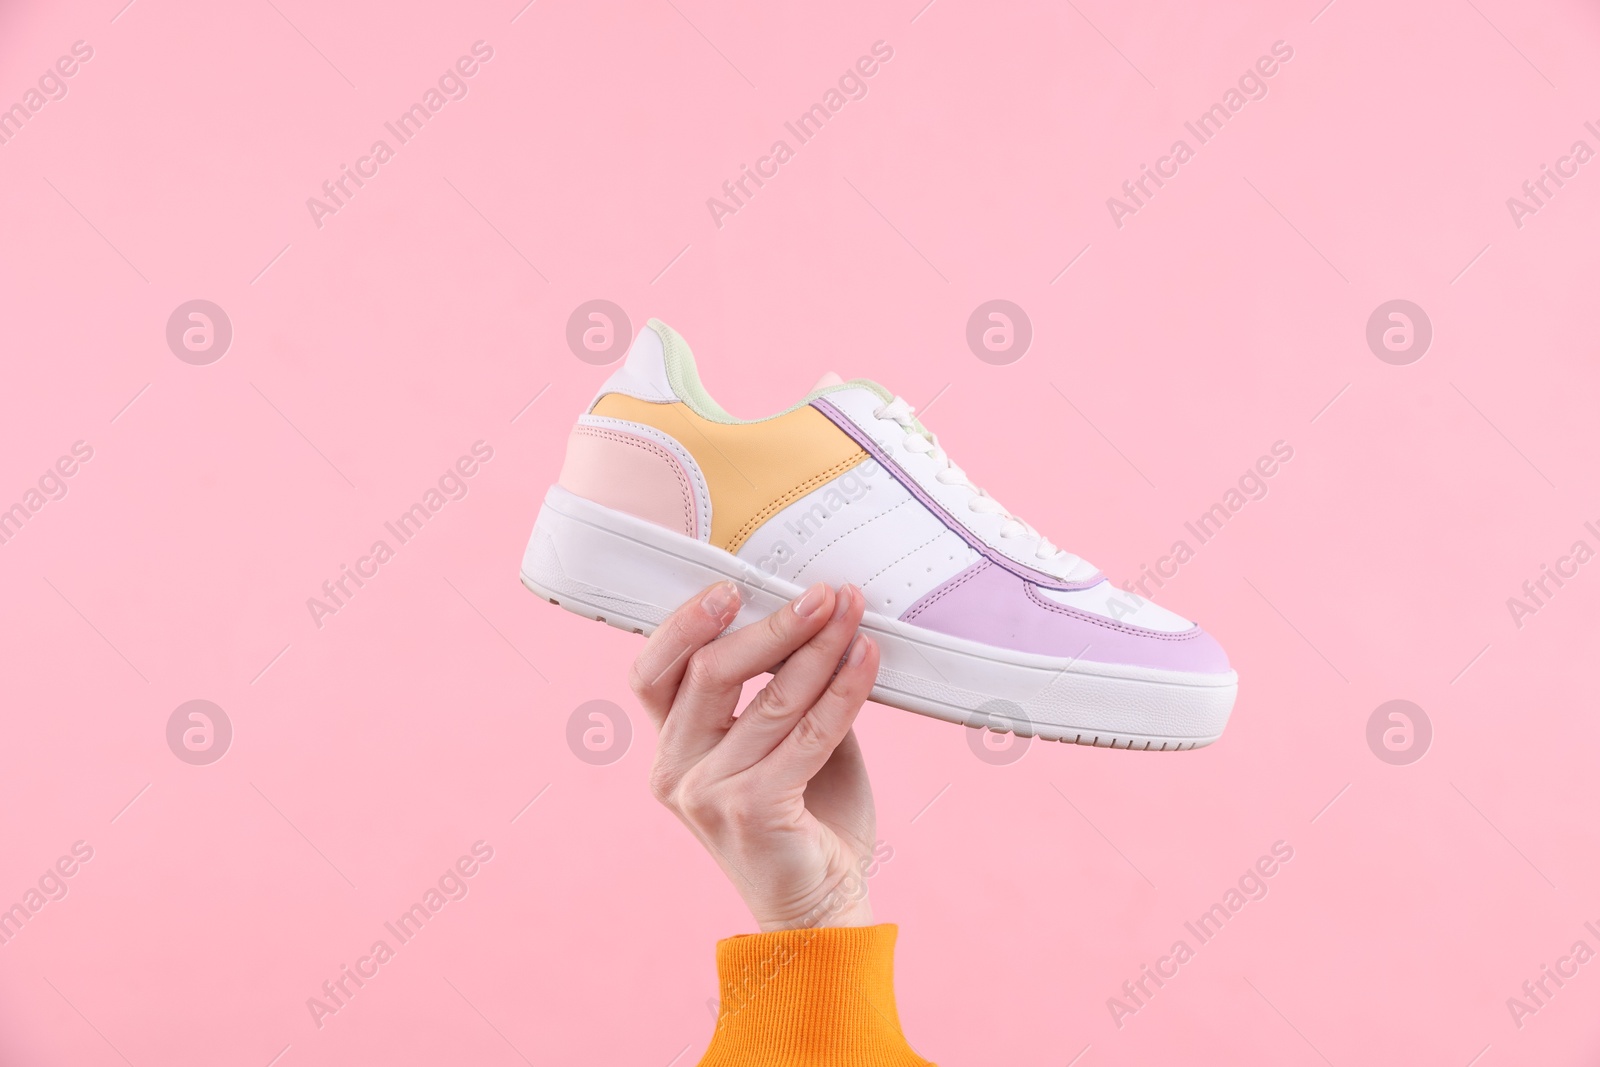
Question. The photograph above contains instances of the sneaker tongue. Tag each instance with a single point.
(830, 378)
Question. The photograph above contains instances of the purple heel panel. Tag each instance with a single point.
(987, 604)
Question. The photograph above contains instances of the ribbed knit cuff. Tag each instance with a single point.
(809, 998)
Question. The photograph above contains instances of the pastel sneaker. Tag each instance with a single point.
(980, 619)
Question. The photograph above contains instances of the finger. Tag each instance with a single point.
(801, 754)
(794, 688)
(715, 675)
(658, 670)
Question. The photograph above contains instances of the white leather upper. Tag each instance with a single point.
(865, 527)
(858, 405)
(1119, 605)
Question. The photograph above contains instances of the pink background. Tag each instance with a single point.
(370, 353)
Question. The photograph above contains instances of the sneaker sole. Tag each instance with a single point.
(613, 568)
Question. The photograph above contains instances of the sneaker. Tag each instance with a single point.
(980, 619)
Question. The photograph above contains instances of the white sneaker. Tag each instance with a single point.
(981, 620)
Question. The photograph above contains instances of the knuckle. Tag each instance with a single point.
(742, 821)
(780, 625)
(663, 785)
(704, 672)
(702, 804)
(684, 631)
(738, 809)
(769, 705)
(808, 735)
(637, 680)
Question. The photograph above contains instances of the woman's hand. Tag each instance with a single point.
(779, 794)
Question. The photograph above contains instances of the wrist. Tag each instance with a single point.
(829, 914)
(846, 904)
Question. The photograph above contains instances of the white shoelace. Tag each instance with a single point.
(898, 411)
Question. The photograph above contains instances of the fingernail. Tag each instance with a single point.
(718, 599)
(842, 605)
(811, 601)
(858, 650)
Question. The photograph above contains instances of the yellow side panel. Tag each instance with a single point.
(752, 469)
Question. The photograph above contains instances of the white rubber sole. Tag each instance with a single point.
(613, 568)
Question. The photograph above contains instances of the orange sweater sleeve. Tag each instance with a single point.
(809, 998)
